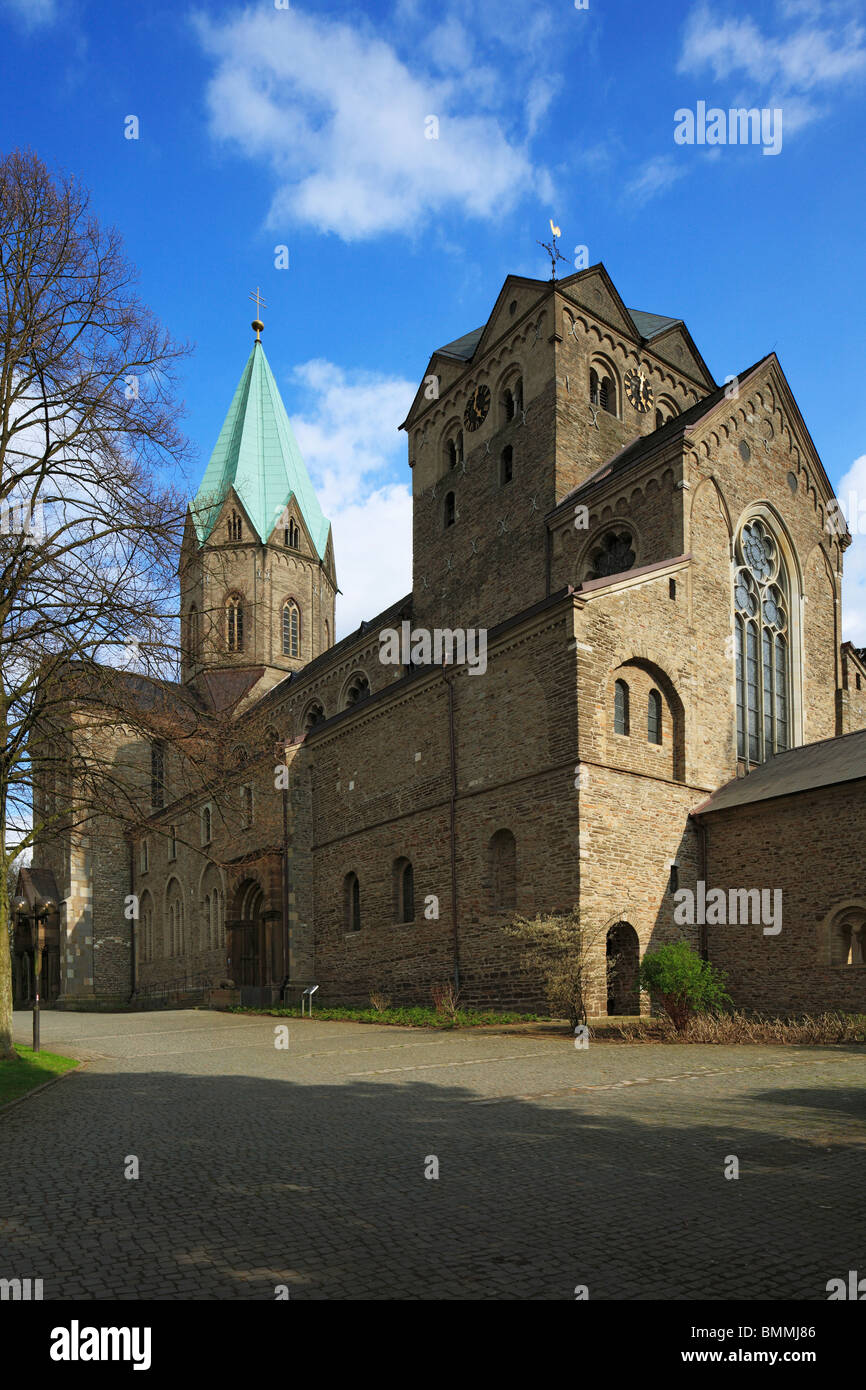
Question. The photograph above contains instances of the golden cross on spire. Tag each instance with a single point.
(257, 321)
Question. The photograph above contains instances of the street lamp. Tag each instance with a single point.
(42, 908)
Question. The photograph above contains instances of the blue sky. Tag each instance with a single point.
(304, 126)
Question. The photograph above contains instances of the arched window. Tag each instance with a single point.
(761, 645)
(246, 807)
(206, 825)
(508, 407)
(352, 902)
(450, 509)
(291, 628)
(235, 530)
(357, 690)
(620, 708)
(660, 419)
(503, 870)
(602, 391)
(192, 633)
(314, 715)
(506, 465)
(404, 891)
(654, 717)
(848, 938)
(518, 396)
(292, 535)
(614, 555)
(451, 453)
(234, 623)
(459, 449)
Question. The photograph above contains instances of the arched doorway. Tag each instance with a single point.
(623, 960)
(255, 945)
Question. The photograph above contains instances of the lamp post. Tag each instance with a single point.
(41, 909)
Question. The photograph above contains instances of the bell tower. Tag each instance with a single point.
(257, 576)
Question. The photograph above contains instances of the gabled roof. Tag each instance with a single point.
(823, 764)
(462, 348)
(257, 454)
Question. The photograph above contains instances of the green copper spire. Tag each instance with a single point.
(258, 455)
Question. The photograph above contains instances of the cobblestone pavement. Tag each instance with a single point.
(306, 1167)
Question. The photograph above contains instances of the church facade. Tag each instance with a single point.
(652, 565)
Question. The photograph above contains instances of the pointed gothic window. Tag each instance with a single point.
(234, 623)
(620, 708)
(654, 717)
(761, 645)
(358, 690)
(291, 628)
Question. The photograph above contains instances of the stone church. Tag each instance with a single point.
(666, 702)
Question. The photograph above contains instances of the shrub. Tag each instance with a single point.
(682, 982)
(379, 1000)
(569, 957)
(445, 999)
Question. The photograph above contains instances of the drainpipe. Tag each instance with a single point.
(703, 942)
(453, 829)
(132, 925)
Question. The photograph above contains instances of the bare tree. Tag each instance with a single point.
(90, 521)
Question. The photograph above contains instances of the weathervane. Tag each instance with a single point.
(257, 321)
(553, 250)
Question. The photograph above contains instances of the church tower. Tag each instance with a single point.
(257, 575)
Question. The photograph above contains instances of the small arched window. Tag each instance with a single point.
(451, 453)
(206, 825)
(602, 391)
(292, 535)
(291, 628)
(654, 717)
(235, 529)
(459, 448)
(518, 396)
(450, 509)
(234, 623)
(352, 902)
(315, 714)
(620, 708)
(615, 555)
(404, 891)
(503, 871)
(508, 407)
(358, 690)
(506, 465)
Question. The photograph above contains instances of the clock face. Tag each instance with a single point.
(477, 407)
(638, 390)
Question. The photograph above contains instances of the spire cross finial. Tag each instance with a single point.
(257, 321)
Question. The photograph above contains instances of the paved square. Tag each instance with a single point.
(306, 1167)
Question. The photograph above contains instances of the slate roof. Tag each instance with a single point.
(650, 325)
(822, 764)
(258, 455)
(462, 348)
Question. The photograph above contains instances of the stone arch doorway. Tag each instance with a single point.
(623, 961)
(254, 941)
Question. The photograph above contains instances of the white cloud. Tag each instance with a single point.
(825, 51)
(347, 433)
(851, 492)
(33, 14)
(340, 120)
(657, 176)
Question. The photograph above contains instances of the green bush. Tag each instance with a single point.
(682, 983)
